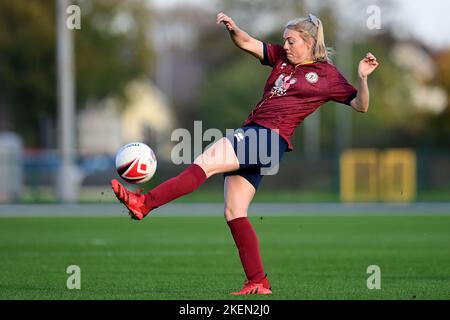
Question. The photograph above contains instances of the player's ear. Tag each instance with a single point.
(310, 42)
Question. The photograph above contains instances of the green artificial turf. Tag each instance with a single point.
(306, 257)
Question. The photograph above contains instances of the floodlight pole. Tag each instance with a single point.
(344, 114)
(67, 173)
(312, 136)
(312, 124)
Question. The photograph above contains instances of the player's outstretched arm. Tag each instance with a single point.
(241, 38)
(366, 67)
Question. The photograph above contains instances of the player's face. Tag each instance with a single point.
(297, 49)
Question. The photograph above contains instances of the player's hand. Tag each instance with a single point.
(367, 65)
(227, 21)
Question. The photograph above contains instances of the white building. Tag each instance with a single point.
(103, 128)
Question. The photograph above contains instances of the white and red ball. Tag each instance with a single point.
(136, 162)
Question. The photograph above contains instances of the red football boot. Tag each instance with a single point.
(134, 202)
(250, 287)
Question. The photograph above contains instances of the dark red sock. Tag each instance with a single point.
(186, 182)
(247, 243)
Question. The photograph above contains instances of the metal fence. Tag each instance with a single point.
(35, 176)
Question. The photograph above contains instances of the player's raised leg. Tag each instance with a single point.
(238, 193)
(218, 158)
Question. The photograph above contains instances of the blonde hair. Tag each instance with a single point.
(311, 27)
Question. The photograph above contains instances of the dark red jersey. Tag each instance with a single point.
(293, 92)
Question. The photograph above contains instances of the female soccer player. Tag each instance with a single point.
(302, 79)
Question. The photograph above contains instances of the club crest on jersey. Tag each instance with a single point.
(282, 84)
(312, 77)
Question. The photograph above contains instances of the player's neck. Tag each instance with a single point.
(305, 61)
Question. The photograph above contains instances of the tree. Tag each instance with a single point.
(110, 50)
(27, 66)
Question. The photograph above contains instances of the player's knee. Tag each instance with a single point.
(232, 213)
(218, 158)
(209, 169)
(211, 166)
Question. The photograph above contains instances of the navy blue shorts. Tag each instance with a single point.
(259, 151)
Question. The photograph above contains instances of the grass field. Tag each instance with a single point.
(307, 257)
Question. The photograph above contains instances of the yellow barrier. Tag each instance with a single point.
(373, 175)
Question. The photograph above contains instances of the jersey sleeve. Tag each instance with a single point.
(340, 90)
(272, 53)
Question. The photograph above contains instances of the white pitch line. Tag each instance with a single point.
(216, 209)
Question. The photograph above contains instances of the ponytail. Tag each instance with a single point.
(321, 51)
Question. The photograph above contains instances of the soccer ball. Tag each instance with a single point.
(136, 162)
